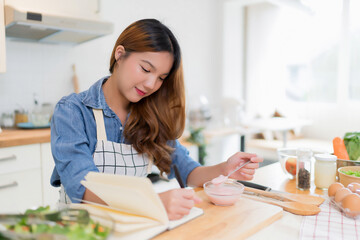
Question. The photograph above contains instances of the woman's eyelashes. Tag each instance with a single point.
(144, 69)
(147, 71)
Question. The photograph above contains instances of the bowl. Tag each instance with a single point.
(346, 179)
(225, 194)
(287, 158)
(344, 163)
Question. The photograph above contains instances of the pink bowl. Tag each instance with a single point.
(225, 194)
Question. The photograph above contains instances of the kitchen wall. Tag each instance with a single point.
(45, 69)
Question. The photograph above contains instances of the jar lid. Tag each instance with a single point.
(325, 157)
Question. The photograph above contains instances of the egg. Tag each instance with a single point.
(341, 194)
(352, 202)
(353, 186)
(333, 188)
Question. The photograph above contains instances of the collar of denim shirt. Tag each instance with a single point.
(95, 98)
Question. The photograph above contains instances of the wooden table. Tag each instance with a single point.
(287, 227)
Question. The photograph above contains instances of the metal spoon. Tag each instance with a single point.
(221, 179)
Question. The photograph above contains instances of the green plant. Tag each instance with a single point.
(197, 137)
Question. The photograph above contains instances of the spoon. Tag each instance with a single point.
(292, 207)
(221, 179)
(308, 199)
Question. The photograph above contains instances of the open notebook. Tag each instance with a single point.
(134, 209)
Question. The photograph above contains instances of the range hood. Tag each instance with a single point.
(52, 29)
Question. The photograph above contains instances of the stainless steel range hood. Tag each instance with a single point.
(43, 27)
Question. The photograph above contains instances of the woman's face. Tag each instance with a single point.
(142, 73)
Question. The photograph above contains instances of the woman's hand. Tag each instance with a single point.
(246, 172)
(178, 202)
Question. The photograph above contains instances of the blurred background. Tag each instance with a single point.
(245, 62)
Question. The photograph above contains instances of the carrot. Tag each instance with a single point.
(340, 149)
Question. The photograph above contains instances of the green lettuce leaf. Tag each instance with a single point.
(352, 143)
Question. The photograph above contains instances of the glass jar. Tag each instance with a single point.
(325, 170)
(303, 168)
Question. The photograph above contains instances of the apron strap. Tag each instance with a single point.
(100, 124)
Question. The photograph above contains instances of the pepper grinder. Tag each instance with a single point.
(303, 168)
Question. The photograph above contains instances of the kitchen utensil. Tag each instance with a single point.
(67, 215)
(225, 194)
(221, 179)
(239, 221)
(297, 208)
(7, 120)
(20, 116)
(254, 185)
(307, 199)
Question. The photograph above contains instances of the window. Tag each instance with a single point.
(354, 36)
(310, 53)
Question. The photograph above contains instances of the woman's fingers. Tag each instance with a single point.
(251, 166)
(247, 171)
(256, 159)
(178, 202)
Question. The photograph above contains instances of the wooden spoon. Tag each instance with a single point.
(308, 199)
(292, 207)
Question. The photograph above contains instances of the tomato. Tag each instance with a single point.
(290, 165)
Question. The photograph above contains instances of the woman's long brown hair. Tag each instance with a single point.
(157, 120)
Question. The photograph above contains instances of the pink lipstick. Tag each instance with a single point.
(141, 93)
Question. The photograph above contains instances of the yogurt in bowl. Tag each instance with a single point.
(225, 194)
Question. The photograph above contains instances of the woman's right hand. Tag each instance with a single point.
(178, 202)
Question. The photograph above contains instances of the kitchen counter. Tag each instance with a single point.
(17, 137)
(287, 227)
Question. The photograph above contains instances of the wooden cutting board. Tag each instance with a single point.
(239, 221)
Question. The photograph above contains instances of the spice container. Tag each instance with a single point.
(7, 120)
(303, 168)
(20, 116)
(325, 170)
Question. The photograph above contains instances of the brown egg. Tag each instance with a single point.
(352, 202)
(333, 188)
(341, 193)
(353, 186)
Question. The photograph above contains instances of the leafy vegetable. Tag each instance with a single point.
(352, 143)
(353, 173)
(73, 231)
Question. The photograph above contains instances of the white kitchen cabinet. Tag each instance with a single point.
(20, 178)
(25, 177)
(50, 193)
(2, 39)
(20, 191)
(72, 8)
(20, 158)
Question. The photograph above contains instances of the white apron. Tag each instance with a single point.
(112, 157)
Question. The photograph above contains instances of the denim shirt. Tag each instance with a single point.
(73, 140)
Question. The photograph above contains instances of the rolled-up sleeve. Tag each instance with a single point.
(70, 149)
(181, 158)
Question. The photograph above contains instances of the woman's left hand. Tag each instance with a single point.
(245, 173)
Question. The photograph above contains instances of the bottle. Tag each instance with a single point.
(303, 168)
(325, 170)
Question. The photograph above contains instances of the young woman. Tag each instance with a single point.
(130, 120)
